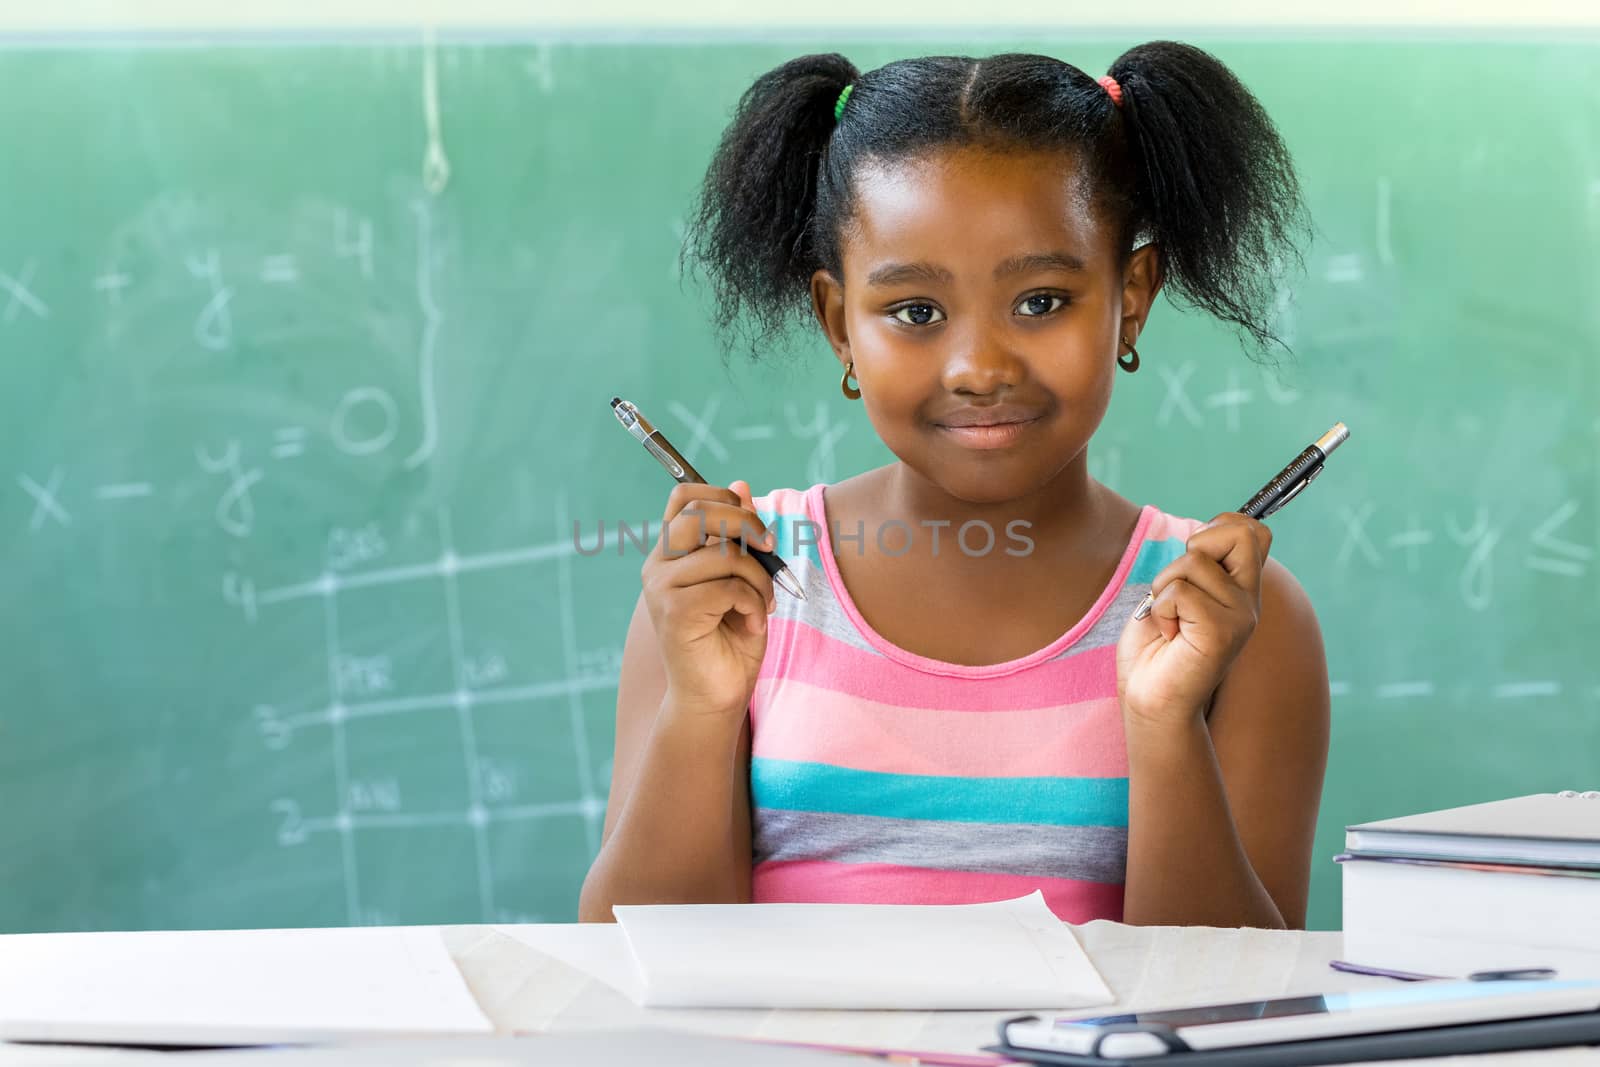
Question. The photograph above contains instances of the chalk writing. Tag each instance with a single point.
(21, 297)
(236, 511)
(46, 506)
(213, 326)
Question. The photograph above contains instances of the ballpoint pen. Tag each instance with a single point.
(683, 471)
(1284, 487)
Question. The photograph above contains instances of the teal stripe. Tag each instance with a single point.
(1152, 557)
(786, 525)
(795, 786)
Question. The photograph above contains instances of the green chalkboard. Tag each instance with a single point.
(304, 354)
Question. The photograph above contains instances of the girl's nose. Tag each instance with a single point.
(982, 363)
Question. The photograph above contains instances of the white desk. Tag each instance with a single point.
(534, 979)
(564, 987)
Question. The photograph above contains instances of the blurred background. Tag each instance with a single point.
(308, 317)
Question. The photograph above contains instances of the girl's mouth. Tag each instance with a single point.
(995, 426)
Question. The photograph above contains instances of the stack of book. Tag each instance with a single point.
(1505, 886)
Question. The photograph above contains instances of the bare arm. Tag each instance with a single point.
(677, 824)
(1222, 812)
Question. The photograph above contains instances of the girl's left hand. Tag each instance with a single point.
(1206, 604)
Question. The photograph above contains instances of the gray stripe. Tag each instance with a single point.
(1086, 853)
(821, 609)
(1107, 629)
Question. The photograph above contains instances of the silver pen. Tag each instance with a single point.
(683, 471)
(1284, 487)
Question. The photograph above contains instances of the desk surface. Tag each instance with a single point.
(533, 979)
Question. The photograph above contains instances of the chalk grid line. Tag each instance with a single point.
(477, 815)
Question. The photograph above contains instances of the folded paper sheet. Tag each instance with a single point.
(1002, 955)
(242, 987)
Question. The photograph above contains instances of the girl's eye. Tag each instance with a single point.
(1040, 304)
(919, 314)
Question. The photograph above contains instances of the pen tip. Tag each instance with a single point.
(615, 401)
(786, 580)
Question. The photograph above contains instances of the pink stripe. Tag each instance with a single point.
(786, 502)
(1166, 527)
(812, 657)
(1081, 740)
(817, 881)
(816, 507)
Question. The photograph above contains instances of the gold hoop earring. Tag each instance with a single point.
(851, 392)
(1127, 364)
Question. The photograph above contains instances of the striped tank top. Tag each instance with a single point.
(881, 776)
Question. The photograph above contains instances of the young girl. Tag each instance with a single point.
(962, 706)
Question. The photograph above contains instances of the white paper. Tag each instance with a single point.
(1010, 954)
(586, 947)
(232, 986)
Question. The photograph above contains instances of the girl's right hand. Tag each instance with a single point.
(708, 599)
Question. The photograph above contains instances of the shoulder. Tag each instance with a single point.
(1286, 599)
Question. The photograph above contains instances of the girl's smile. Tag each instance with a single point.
(989, 426)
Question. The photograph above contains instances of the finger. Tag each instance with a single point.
(709, 522)
(1206, 575)
(712, 602)
(711, 563)
(1182, 606)
(733, 596)
(1262, 532)
(763, 536)
(685, 493)
(727, 523)
(1233, 541)
(1164, 611)
(682, 533)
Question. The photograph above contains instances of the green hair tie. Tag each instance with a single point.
(844, 98)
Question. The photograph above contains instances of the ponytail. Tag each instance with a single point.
(1214, 186)
(752, 228)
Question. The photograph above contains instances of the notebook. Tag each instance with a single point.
(1504, 886)
(1004, 954)
(1545, 829)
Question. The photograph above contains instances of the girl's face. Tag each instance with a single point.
(982, 306)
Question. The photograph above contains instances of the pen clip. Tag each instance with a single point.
(666, 459)
(1291, 494)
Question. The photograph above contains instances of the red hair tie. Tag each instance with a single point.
(1110, 85)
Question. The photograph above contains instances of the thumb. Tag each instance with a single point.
(742, 489)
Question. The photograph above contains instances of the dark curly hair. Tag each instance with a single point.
(1190, 161)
